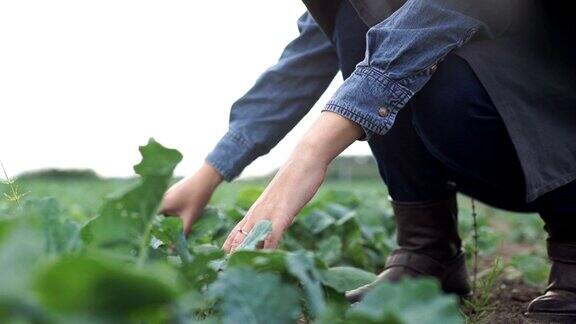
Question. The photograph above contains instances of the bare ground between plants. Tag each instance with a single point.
(510, 299)
(510, 295)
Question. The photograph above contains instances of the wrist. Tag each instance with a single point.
(209, 176)
(293, 186)
(328, 137)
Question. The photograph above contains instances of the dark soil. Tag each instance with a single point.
(510, 299)
(510, 296)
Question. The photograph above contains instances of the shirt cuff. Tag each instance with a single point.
(371, 99)
(231, 155)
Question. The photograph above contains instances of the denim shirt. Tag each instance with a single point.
(402, 53)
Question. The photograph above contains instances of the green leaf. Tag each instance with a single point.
(60, 234)
(90, 285)
(259, 260)
(21, 247)
(247, 196)
(124, 222)
(317, 221)
(343, 197)
(330, 250)
(157, 160)
(303, 267)
(169, 231)
(246, 296)
(407, 301)
(199, 271)
(211, 226)
(341, 213)
(258, 234)
(353, 245)
(333, 314)
(534, 269)
(343, 279)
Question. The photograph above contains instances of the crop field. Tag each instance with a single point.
(94, 250)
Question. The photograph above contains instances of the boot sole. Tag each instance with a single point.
(553, 317)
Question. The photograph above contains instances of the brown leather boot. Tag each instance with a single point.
(559, 302)
(429, 246)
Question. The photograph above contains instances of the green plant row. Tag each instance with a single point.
(129, 265)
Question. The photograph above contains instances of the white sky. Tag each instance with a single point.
(83, 83)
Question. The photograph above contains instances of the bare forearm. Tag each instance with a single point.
(298, 179)
(209, 175)
(327, 138)
(301, 176)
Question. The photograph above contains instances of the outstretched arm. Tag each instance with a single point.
(261, 118)
(298, 179)
(402, 53)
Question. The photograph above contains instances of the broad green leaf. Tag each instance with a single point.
(124, 222)
(60, 234)
(200, 270)
(341, 213)
(247, 196)
(246, 296)
(196, 267)
(21, 247)
(333, 314)
(330, 250)
(211, 227)
(258, 234)
(343, 279)
(299, 237)
(342, 197)
(192, 308)
(317, 221)
(169, 231)
(534, 269)
(259, 260)
(99, 286)
(157, 160)
(407, 301)
(303, 267)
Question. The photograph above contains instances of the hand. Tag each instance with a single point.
(188, 198)
(298, 180)
(294, 185)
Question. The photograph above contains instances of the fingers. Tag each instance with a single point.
(272, 241)
(165, 208)
(235, 237)
(186, 225)
(243, 228)
(239, 234)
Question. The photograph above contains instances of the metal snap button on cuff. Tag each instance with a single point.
(383, 111)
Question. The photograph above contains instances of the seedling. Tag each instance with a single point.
(14, 194)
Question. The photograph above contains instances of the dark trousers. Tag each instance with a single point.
(450, 138)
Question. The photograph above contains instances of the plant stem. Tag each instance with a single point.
(475, 237)
(182, 249)
(145, 244)
(14, 194)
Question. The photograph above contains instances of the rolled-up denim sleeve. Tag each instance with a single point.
(402, 54)
(279, 99)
